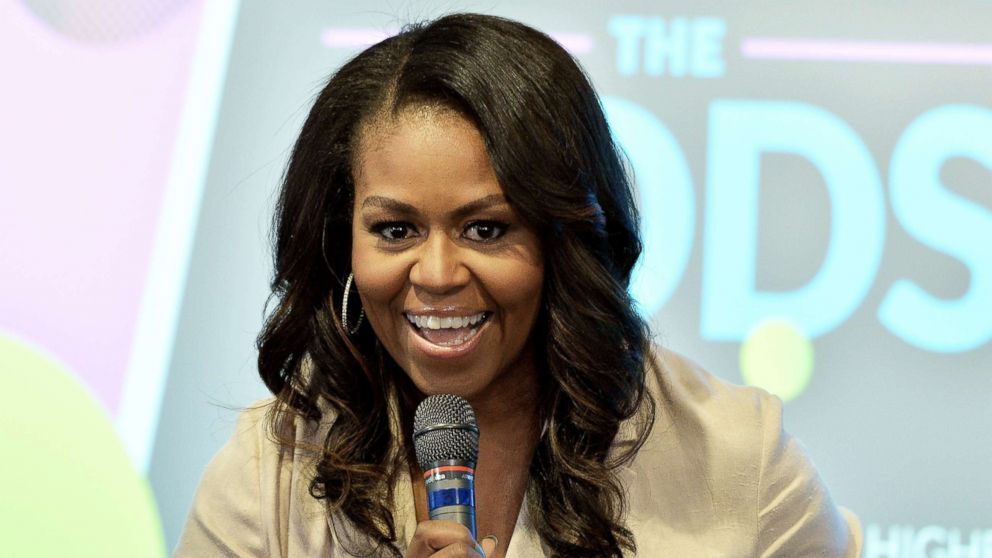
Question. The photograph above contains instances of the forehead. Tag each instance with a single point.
(422, 152)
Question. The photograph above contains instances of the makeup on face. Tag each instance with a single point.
(449, 276)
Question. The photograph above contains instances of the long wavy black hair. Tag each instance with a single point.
(552, 152)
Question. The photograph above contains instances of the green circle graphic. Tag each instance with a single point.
(777, 357)
(68, 487)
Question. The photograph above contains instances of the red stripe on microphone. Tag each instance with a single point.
(448, 468)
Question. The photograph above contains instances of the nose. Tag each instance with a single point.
(439, 268)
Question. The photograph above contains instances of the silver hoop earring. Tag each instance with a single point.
(344, 308)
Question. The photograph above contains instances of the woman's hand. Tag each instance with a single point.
(447, 539)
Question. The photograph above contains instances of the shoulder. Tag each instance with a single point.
(694, 403)
(226, 518)
(687, 384)
(250, 498)
(699, 415)
(250, 444)
(720, 450)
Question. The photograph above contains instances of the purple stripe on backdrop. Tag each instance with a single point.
(359, 37)
(866, 51)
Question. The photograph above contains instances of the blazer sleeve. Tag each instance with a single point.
(225, 519)
(796, 515)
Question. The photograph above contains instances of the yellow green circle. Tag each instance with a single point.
(68, 487)
(777, 357)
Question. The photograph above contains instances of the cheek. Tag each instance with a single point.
(516, 283)
(518, 290)
(380, 280)
(526, 281)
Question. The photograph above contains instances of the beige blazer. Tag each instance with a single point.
(718, 477)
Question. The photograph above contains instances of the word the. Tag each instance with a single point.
(678, 47)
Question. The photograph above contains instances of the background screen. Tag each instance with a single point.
(815, 182)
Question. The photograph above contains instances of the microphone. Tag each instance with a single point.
(446, 439)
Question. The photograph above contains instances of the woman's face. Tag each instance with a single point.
(449, 276)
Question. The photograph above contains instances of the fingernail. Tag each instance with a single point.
(494, 539)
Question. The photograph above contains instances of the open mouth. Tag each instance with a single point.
(448, 331)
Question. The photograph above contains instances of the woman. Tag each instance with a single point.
(455, 218)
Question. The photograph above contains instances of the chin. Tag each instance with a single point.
(457, 382)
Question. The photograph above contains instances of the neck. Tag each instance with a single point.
(507, 412)
(508, 416)
(509, 409)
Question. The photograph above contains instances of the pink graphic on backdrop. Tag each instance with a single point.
(844, 50)
(104, 20)
(89, 124)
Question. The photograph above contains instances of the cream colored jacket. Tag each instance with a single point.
(717, 477)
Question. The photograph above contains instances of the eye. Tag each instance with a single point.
(394, 230)
(485, 231)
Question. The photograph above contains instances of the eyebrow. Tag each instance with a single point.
(403, 207)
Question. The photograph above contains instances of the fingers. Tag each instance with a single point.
(489, 545)
(444, 539)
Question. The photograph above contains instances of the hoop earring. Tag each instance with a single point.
(344, 308)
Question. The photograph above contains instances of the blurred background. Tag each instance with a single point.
(815, 180)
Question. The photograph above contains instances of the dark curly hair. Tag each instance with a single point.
(552, 152)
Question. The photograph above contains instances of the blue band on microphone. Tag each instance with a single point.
(450, 497)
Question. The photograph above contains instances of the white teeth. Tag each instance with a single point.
(437, 322)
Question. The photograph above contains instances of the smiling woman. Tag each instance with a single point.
(474, 199)
(436, 244)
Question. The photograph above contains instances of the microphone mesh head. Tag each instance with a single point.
(457, 444)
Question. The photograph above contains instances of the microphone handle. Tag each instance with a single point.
(451, 492)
